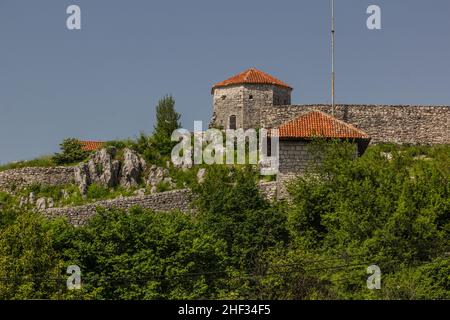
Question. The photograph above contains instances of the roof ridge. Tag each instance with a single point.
(252, 76)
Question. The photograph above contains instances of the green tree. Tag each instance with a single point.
(146, 255)
(232, 208)
(72, 152)
(30, 268)
(167, 120)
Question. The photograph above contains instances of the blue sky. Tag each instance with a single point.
(103, 82)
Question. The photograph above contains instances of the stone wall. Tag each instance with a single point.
(294, 156)
(268, 190)
(228, 101)
(396, 124)
(164, 201)
(13, 179)
(160, 202)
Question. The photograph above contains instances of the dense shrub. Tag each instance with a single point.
(72, 152)
(390, 208)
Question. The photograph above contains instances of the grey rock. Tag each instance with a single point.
(140, 192)
(103, 169)
(132, 169)
(100, 169)
(50, 203)
(31, 198)
(82, 177)
(156, 175)
(65, 194)
(201, 175)
(41, 204)
(169, 181)
(23, 202)
(387, 155)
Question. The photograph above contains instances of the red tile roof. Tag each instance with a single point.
(319, 124)
(252, 76)
(91, 145)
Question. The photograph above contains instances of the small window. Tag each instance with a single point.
(250, 97)
(224, 97)
(232, 124)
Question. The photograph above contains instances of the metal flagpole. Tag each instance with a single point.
(332, 59)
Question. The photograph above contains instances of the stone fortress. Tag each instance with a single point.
(254, 99)
(251, 99)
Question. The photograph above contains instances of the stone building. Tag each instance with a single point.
(238, 101)
(255, 99)
(295, 136)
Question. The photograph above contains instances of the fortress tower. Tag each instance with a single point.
(239, 100)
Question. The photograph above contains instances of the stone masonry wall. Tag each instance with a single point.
(396, 124)
(258, 96)
(160, 202)
(294, 156)
(245, 102)
(164, 201)
(24, 177)
(228, 101)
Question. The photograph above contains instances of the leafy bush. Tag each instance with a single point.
(29, 266)
(145, 255)
(72, 152)
(390, 208)
(96, 191)
(231, 207)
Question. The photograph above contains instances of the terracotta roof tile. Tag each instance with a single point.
(319, 124)
(91, 145)
(252, 76)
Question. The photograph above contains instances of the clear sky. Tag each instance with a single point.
(103, 81)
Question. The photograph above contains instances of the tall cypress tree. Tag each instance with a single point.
(167, 120)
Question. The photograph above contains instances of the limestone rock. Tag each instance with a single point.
(41, 204)
(139, 193)
(156, 175)
(169, 182)
(100, 169)
(23, 202)
(31, 198)
(387, 155)
(82, 177)
(103, 170)
(65, 194)
(132, 169)
(201, 175)
(50, 203)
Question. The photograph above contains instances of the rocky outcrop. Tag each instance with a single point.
(82, 177)
(132, 169)
(156, 176)
(101, 169)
